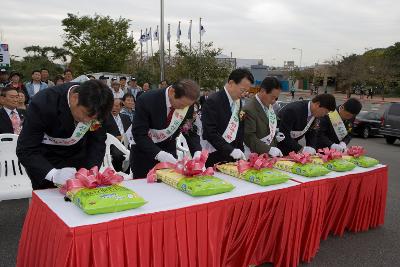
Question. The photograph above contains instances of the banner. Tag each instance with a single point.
(4, 56)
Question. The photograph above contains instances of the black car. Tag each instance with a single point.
(366, 124)
(391, 123)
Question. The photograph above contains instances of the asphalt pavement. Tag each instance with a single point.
(377, 247)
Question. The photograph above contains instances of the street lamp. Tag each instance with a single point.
(301, 54)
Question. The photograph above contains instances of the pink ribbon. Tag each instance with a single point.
(187, 167)
(327, 154)
(356, 151)
(256, 162)
(91, 179)
(301, 158)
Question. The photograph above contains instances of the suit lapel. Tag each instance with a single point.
(6, 119)
(261, 112)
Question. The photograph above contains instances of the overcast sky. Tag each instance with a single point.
(266, 29)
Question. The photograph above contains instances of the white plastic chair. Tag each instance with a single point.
(14, 182)
(182, 148)
(107, 162)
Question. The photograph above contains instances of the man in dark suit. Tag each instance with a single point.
(338, 136)
(299, 119)
(117, 124)
(61, 132)
(11, 118)
(223, 126)
(161, 115)
(203, 98)
(260, 123)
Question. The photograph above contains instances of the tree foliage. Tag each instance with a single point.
(98, 43)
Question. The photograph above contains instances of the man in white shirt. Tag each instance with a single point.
(11, 118)
(116, 90)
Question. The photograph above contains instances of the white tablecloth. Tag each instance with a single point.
(162, 197)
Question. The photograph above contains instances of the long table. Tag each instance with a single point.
(282, 224)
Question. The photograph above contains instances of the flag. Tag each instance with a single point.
(155, 34)
(190, 31)
(142, 38)
(169, 33)
(178, 32)
(202, 30)
(148, 37)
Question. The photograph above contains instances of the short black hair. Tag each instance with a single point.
(270, 83)
(325, 101)
(68, 70)
(96, 97)
(128, 95)
(238, 75)
(353, 106)
(35, 71)
(187, 88)
(122, 78)
(42, 69)
(58, 77)
(7, 89)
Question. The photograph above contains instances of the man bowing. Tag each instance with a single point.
(301, 118)
(161, 115)
(61, 132)
(223, 127)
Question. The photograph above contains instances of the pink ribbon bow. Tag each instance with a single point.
(356, 151)
(301, 158)
(256, 162)
(327, 154)
(187, 167)
(91, 179)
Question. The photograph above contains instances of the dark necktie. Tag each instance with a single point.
(169, 116)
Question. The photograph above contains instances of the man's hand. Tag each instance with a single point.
(238, 154)
(309, 150)
(62, 175)
(163, 156)
(275, 152)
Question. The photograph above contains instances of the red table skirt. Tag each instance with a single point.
(283, 227)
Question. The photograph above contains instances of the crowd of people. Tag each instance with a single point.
(64, 126)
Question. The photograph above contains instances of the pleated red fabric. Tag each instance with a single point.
(284, 227)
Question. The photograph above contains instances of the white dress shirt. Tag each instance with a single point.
(118, 121)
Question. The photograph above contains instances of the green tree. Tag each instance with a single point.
(97, 43)
(204, 68)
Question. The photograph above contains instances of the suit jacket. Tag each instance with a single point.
(293, 117)
(202, 99)
(49, 113)
(5, 121)
(151, 113)
(256, 127)
(326, 135)
(216, 113)
(111, 126)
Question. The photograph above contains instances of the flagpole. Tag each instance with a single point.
(200, 54)
(190, 38)
(141, 46)
(169, 43)
(161, 44)
(147, 45)
(151, 42)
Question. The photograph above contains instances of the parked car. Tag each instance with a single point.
(390, 124)
(366, 124)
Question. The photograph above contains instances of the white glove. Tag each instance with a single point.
(337, 147)
(163, 156)
(275, 152)
(343, 145)
(309, 150)
(238, 154)
(197, 155)
(62, 175)
(279, 136)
